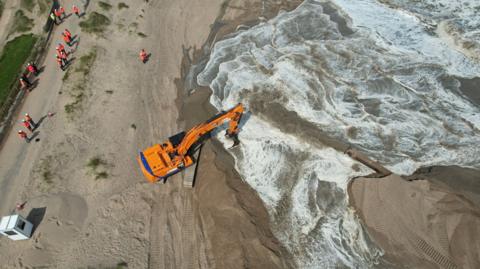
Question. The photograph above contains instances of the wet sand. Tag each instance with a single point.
(471, 89)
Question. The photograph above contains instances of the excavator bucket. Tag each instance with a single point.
(235, 139)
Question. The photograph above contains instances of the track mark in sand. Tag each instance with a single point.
(188, 236)
(436, 256)
(427, 249)
(157, 230)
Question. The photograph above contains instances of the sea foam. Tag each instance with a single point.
(386, 86)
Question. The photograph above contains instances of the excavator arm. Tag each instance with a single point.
(161, 161)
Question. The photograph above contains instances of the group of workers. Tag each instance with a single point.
(62, 55)
(62, 61)
(58, 14)
(28, 123)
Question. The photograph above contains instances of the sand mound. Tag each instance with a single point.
(422, 223)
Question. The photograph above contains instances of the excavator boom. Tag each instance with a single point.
(161, 161)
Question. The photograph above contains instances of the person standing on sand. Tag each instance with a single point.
(58, 15)
(60, 48)
(76, 10)
(24, 82)
(20, 206)
(27, 125)
(67, 39)
(30, 120)
(67, 33)
(143, 56)
(59, 62)
(23, 135)
(61, 11)
(32, 69)
(64, 57)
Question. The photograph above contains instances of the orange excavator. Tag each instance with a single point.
(161, 161)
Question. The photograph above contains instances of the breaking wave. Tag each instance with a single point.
(368, 74)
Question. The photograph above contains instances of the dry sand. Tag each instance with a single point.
(125, 107)
(432, 221)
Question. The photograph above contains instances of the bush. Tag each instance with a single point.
(96, 23)
(21, 22)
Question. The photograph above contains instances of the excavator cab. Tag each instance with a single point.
(156, 162)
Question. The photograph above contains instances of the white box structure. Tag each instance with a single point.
(16, 227)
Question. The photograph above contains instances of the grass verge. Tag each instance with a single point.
(84, 67)
(21, 23)
(96, 23)
(13, 57)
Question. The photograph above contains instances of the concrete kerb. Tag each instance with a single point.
(17, 96)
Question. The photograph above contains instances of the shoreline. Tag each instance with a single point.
(194, 107)
(220, 174)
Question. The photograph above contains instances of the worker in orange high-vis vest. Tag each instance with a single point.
(60, 47)
(76, 10)
(67, 39)
(59, 62)
(143, 56)
(58, 15)
(67, 33)
(23, 135)
(27, 125)
(61, 11)
(64, 57)
(30, 120)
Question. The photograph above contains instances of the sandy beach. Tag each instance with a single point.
(84, 191)
(92, 207)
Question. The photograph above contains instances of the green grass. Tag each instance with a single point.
(104, 5)
(86, 63)
(95, 162)
(27, 4)
(21, 23)
(44, 6)
(122, 5)
(1, 8)
(13, 57)
(101, 175)
(47, 176)
(84, 67)
(96, 23)
(72, 107)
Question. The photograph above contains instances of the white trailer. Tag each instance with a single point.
(16, 227)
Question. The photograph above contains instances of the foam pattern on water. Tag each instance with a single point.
(388, 88)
